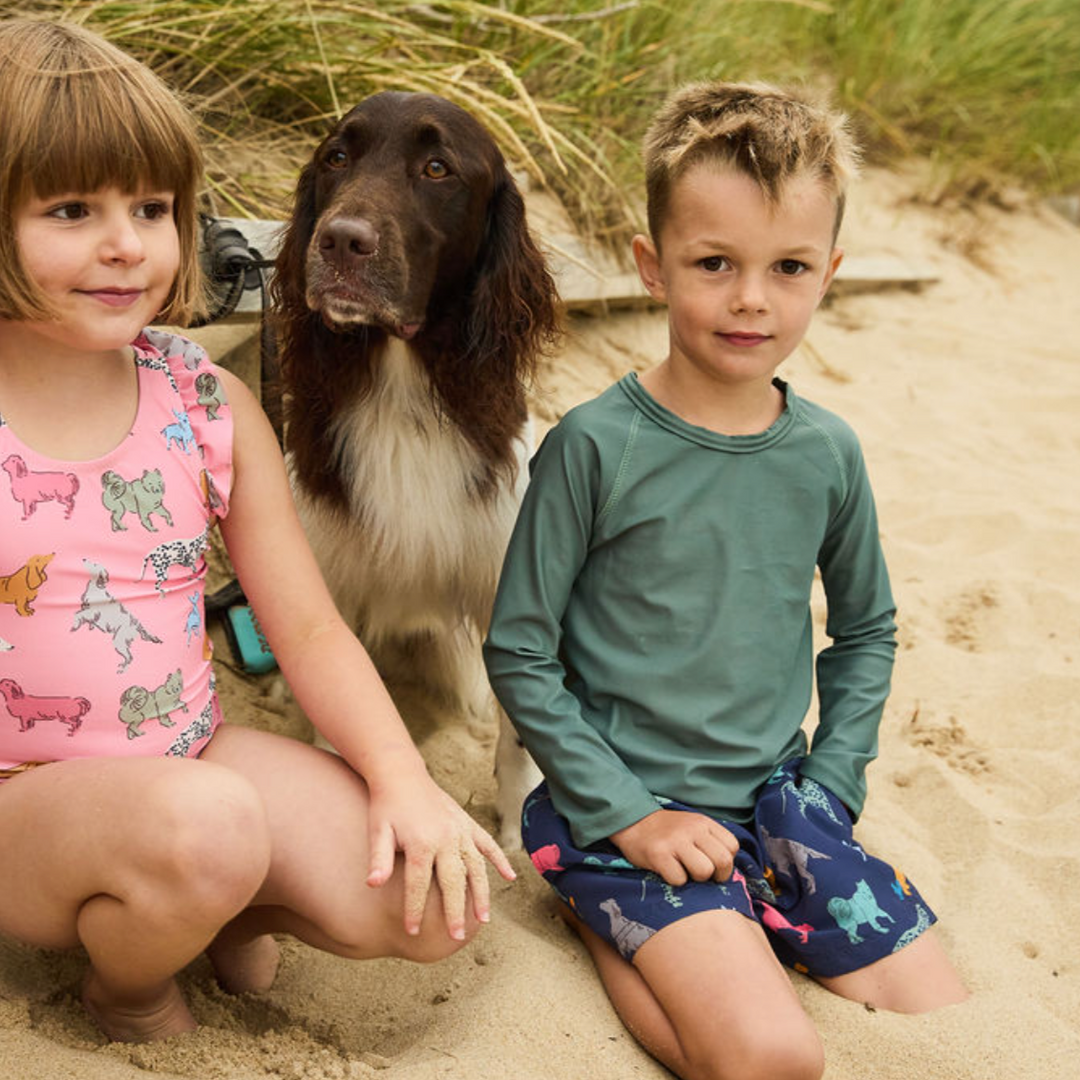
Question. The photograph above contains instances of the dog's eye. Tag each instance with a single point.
(436, 169)
(337, 159)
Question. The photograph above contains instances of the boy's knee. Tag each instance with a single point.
(783, 1058)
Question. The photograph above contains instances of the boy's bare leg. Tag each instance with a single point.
(707, 998)
(139, 860)
(918, 978)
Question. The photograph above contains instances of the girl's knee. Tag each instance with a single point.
(211, 837)
(434, 942)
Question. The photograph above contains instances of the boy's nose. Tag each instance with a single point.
(749, 294)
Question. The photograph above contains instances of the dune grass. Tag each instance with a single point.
(987, 91)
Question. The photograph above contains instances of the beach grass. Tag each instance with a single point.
(986, 92)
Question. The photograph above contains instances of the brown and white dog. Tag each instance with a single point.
(411, 305)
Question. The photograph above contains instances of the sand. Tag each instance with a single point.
(966, 395)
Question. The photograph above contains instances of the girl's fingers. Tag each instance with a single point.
(452, 874)
(381, 858)
(477, 883)
(418, 867)
(491, 851)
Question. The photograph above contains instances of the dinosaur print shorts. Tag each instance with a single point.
(827, 907)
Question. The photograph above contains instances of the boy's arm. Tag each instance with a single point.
(854, 672)
(589, 783)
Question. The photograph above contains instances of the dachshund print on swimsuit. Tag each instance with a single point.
(30, 488)
(31, 709)
(21, 586)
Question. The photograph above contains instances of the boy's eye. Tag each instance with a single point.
(713, 263)
(792, 267)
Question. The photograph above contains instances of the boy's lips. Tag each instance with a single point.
(743, 338)
(114, 297)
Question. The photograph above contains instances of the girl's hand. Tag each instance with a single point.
(437, 838)
(679, 845)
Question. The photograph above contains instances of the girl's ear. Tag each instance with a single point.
(648, 267)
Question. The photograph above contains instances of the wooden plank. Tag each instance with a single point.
(592, 281)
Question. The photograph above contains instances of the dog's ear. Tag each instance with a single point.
(289, 282)
(514, 311)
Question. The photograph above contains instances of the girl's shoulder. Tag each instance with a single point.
(193, 393)
(171, 349)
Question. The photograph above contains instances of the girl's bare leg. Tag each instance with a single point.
(707, 998)
(316, 889)
(139, 860)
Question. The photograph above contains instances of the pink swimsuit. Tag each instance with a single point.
(103, 645)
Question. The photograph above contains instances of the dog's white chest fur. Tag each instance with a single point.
(421, 548)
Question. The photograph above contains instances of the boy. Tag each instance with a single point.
(651, 638)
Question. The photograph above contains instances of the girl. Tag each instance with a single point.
(132, 822)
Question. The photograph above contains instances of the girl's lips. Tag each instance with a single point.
(114, 297)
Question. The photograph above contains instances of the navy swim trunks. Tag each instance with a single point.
(826, 905)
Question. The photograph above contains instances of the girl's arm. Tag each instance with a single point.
(336, 684)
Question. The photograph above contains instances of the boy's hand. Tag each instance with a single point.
(679, 845)
(440, 844)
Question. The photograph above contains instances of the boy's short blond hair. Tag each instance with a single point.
(77, 114)
(769, 134)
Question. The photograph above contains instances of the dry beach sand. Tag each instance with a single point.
(966, 395)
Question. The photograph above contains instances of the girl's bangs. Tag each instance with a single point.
(89, 137)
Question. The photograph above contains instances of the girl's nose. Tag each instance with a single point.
(121, 242)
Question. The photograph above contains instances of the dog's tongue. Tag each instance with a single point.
(407, 331)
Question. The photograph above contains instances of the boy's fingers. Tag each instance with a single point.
(700, 862)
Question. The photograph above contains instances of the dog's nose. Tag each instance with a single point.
(347, 241)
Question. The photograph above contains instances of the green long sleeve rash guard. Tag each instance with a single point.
(652, 633)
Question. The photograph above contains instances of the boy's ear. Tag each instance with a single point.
(835, 259)
(648, 267)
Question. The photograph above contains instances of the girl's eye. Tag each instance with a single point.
(73, 211)
(436, 169)
(154, 210)
(337, 159)
(713, 263)
(792, 267)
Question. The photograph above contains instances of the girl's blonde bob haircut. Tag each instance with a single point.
(78, 115)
